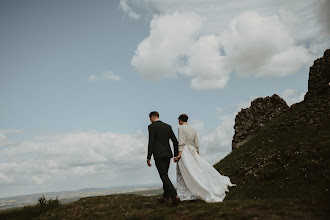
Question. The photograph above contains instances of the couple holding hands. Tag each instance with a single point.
(196, 178)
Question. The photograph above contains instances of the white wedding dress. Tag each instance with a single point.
(196, 178)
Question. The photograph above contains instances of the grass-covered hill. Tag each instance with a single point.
(288, 159)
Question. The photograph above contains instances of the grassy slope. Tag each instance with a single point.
(288, 159)
(142, 207)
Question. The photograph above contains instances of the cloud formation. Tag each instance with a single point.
(108, 75)
(262, 47)
(80, 158)
(174, 47)
(299, 16)
(163, 52)
(247, 46)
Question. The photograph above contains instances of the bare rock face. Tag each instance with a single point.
(248, 121)
(319, 77)
(262, 110)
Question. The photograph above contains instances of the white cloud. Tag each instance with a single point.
(128, 10)
(262, 46)
(176, 45)
(291, 96)
(108, 75)
(208, 68)
(72, 161)
(260, 39)
(300, 16)
(163, 53)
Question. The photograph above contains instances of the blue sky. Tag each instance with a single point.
(79, 78)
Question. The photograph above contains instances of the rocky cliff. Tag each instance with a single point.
(263, 110)
(319, 77)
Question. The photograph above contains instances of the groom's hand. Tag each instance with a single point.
(176, 159)
(148, 162)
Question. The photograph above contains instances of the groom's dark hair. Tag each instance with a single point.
(154, 113)
(183, 117)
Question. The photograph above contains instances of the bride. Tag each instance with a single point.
(196, 178)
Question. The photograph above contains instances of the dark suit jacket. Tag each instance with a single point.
(159, 136)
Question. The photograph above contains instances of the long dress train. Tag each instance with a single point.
(181, 187)
(200, 179)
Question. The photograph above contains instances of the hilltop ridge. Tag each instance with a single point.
(288, 157)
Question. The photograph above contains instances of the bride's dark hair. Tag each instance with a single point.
(183, 117)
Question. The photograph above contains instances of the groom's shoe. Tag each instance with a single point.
(163, 200)
(175, 201)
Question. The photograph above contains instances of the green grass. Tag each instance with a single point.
(142, 207)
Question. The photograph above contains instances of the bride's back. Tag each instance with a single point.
(188, 136)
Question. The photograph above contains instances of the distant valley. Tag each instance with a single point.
(71, 196)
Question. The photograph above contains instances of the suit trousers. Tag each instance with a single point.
(163, 165)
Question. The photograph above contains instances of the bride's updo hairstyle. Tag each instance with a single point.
(183, 117)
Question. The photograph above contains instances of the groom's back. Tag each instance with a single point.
(162, 133)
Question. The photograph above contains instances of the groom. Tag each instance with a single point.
(159, 146)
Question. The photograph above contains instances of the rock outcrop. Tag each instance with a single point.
(248, 121)
(319, 77)
(262, 110)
